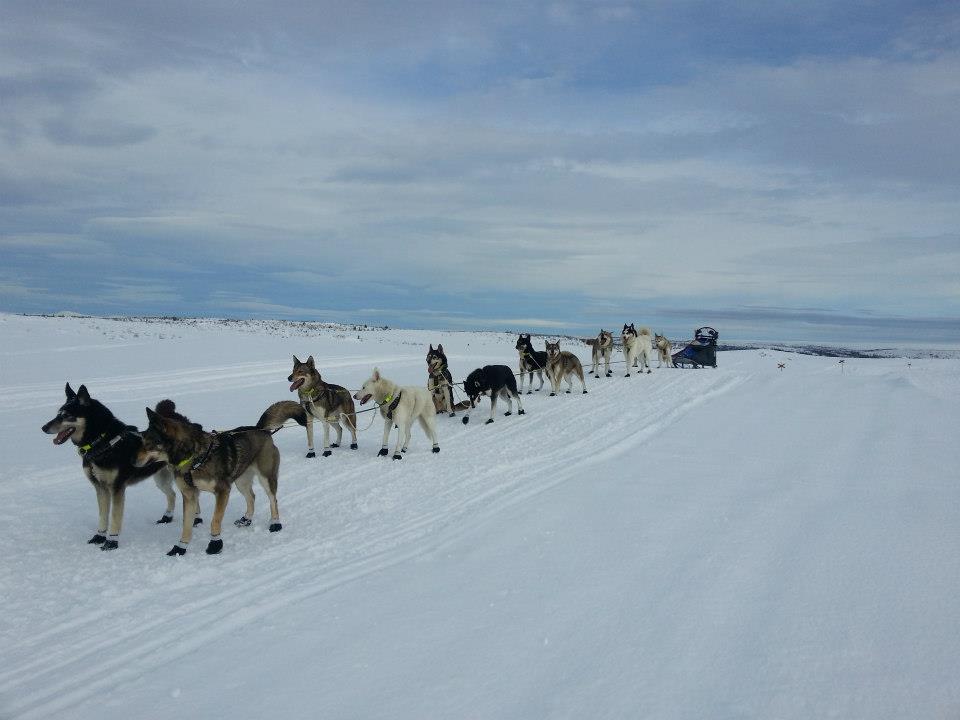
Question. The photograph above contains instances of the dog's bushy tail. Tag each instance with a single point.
(277, 414)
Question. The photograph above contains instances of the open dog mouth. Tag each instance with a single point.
(296, 384)
(62, 436)
(363, 400)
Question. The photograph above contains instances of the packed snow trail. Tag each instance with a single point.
(684, 544)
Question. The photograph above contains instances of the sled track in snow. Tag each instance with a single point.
(344, 517)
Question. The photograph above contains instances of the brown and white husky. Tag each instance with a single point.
(562, 365)
(323, 401)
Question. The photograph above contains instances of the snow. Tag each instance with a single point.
(742, 542)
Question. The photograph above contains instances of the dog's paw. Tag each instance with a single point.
(568, 392)
(215, 547)
(452, 415)
(466, 419)
(649, 371)
(97, 539)
(383, 452)
(609, 374)
(276, 526)
(327, 453)
(627, 375)
(110, 545)
(165, 519)
(243, 521)
(584, 392)
(522, 412)
(177, 551)
(197, 521)
(436, 448)
(398, 456)
(529, 392)
(507, 413)
(597, 377)
(552, 394)
(311, 454)
(353, 446)
(333, 445)
(489, 420)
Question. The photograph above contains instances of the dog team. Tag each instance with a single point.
(173, 450)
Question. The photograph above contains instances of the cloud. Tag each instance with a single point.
(469, 159)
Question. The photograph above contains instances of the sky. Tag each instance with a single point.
(780, 170)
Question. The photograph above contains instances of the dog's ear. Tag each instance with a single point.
(83, 397)
(69, 391)
(376, 374)
(153, 418)
(310, 362)
(296, 360)
(431, 347)
(440, 347)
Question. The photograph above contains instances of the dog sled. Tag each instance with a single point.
(701, 352)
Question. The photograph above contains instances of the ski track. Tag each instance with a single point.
(344, 517)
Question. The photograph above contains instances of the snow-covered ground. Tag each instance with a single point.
(742, 542)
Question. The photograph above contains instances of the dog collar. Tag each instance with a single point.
(311, 394)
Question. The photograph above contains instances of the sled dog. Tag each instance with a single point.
(212, 462)
(531, 361)
(400, 406)
(562, 365)
(440, 381)
(319, 400)
(441, 390)
(664, 351)
(497, 381)
(602, 348)
(107, 449)
(636, 346)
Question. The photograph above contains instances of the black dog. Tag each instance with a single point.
(107, 447)
(531, 361)
(495, 381)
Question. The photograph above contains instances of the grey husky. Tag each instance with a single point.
(213, 462)
(107, 448)
(664, 351)
(602, 348)
(561, 365)
(326, 402)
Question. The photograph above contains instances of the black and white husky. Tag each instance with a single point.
(497, 381)
(107, 448)
(637, 345)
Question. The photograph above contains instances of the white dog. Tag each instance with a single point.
(636, 345)
(400, 406)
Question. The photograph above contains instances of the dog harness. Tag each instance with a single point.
(101, 446)
(188, 475)
(394, 401)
